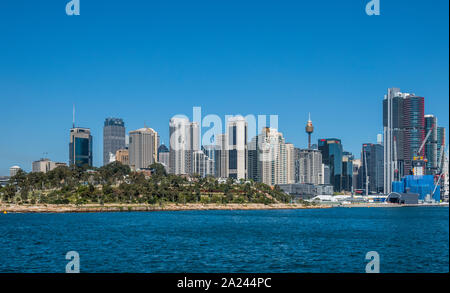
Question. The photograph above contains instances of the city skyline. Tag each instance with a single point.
(303, 145)
(271, 63)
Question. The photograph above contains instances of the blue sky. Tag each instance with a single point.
(145, 61)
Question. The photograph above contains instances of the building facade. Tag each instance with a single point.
(164, 157)
(372, 169)
(80, 147)
(331, 149)
(123, 156)
(113, 138)
(309, 166)
(143, 148)
(236, 133)
(184, 141)
(202, 164)
(43, 165)
(356, 170)
(221, 156)
(347, 171)
(272, 163)
(404, 128)
(13, 170)
(290, 163)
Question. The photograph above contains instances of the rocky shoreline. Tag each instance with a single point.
(95, 208)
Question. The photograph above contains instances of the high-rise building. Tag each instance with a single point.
(372, 160)
(123, 156)
(164, 157)
(309, 166)
(113, 138)
(347, 171)
(356, 171)
(236, 133)
(211, 153)
(290, 163)
(80, 147)
(143, 148)
(272, 164)
(221, 156)
(253, 158)
(184, 141)
(404, 127)
(326, 174)
(331, 149)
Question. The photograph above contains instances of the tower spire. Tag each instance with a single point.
(309, 129)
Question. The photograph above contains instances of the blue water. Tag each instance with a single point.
(410, 239)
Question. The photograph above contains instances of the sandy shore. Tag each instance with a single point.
(92, 208)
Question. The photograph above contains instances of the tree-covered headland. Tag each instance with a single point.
(116, 183)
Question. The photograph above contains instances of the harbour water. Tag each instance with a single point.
(408, 240)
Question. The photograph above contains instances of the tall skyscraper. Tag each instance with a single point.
(236, 133)
(347, 171)
(272, 165)
(221, 156)
(404, 124)
(80, 147)
(331, 149)
(326, 174)
(113, 138)
(372, 160)
(143, 148)
(184, 141)
(309, 166)
(356, 181)
(252, 154)
(290, 163)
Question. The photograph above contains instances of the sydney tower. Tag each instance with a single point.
(309, 129)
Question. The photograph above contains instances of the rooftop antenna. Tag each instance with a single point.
(73, 116)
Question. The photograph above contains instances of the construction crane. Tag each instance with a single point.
(439, 170)
(418, 160)
(425, 140)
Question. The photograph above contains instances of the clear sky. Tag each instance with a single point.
(145, 61)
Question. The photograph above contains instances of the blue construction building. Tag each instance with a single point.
(419, 184)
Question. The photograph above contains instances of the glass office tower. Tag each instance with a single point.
(331, 149)
(113, 138)
(80, 147)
